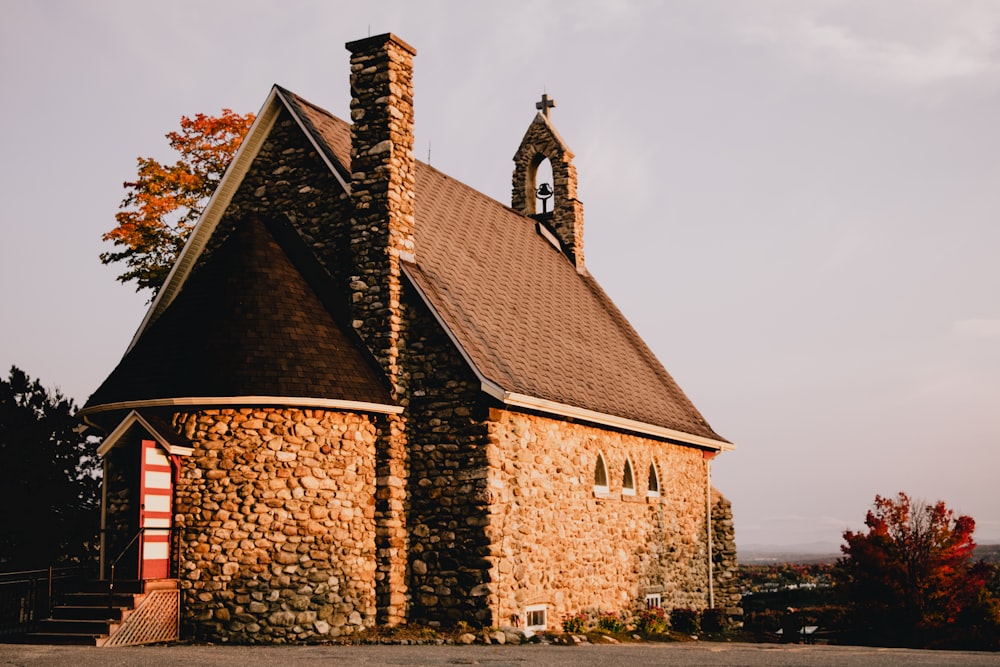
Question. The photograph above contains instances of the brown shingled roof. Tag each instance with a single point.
(247, 323)
(526, 318)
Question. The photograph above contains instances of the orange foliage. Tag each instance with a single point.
(165, 201)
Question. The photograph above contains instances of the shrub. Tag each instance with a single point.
(763, 622)
(713, 620)
(651, 621)
(575, 624)
(610, 622)
(687, 621)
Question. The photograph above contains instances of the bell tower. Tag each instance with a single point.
(564, 217)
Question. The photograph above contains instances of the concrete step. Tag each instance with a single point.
(85, 639)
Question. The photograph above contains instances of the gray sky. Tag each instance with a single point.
(795, 202)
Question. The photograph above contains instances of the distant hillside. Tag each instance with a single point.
(804, 553)
(824, 552)
(988, 552)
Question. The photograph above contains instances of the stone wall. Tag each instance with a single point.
(725, 568)
(288, 178)
(447, 490)
(555, 541)
(275, 519)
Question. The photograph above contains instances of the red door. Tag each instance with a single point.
(156, 497)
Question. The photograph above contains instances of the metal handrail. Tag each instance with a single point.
(26, 596)
(111, 579)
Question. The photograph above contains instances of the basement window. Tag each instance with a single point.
(600, 475)
(653, 600)
(534, 617)
(653, 489)
(628, 480)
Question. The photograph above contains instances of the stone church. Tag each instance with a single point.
(369, 394)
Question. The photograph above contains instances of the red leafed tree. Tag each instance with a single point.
(165, 201)
(910, 576)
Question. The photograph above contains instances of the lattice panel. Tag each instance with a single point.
(156, 619)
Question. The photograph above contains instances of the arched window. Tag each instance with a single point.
(628, 480)
(653, 488)
(600, 475)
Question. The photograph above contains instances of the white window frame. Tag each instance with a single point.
(599, 488)
(650, 492)
(654, 600)
(628, 491)
(535, 608)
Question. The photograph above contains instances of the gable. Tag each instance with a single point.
(247, 328)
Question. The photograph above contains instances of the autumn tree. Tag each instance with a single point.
(164, 202)
(910, 577)
(49, 484)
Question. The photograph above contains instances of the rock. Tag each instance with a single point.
(321, 627)
(282, 618)
(498, 637)
(466, 638)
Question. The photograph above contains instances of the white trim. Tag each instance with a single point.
(298, 402)
(544, 232)
(135, 418)
(312, 140)
(564, 410)
(533, 608)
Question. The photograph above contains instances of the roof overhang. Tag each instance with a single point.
(516, 400)
(166, 440)
(243, 401)
(524, 401)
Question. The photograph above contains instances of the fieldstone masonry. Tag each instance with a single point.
(554, 540)
(725, 571)
(448, 498)
(382, 188)
(275, 512)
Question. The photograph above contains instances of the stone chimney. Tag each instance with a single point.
(382, 184)
(565, 219)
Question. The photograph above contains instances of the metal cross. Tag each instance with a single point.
(545, 104)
